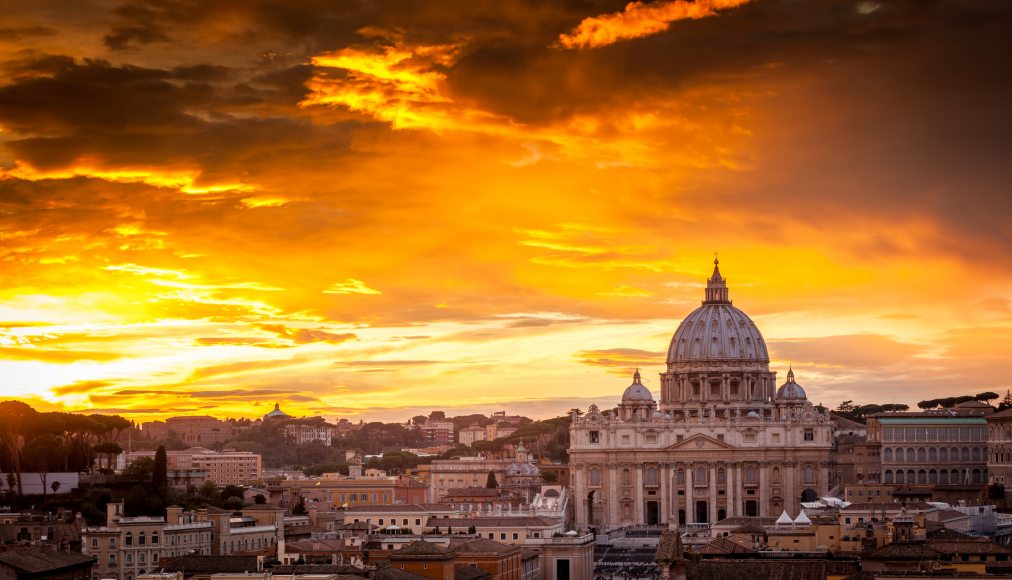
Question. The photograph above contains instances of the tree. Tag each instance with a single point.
(160, 471)
(55, 487)
(845, 408)
(109, 449)
(42, 454)
(1006, 402)
(419, 420)
(986, 396)
(929, 404)
(491, 482)
(259, 499)
(437, 416)
(300, 508)
(13, 416)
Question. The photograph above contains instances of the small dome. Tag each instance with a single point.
(277, 413)
(791, 391)
(636, 391)
(752, 415)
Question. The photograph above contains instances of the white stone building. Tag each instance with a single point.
(721, 442)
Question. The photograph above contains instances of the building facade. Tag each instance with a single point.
(722, 441)
(947, 447)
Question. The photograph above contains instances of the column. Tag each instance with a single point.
(638, 505)
(763, 490)
(580, 493)
(729, 494)
(712, 468)
(665, 503)
(614, 494)
(704, 387)
(690, 514)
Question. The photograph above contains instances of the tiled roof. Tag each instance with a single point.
(670, 547)
(481, 545)
(527, 553)
(722, 546)
(400, 508)
(946, 534)
(742, 520)
(39, 561)
(343, 572)
(904, 551)
(423, 548)
(494, 522)
(967, 546)
(750, 528)
(307, 546)
(391, 573)
(946, 515)
(213, 564)
(720, 569)
(465, 572)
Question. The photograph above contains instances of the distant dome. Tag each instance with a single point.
(636, 391)
(752, 415)
(717, 331)
(277, 413)
(791, 391)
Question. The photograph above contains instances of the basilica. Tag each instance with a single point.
(722, 441)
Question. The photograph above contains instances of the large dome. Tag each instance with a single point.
(717, 331)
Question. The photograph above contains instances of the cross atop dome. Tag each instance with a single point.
(716, 286)
(636, 377)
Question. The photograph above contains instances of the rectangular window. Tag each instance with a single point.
(595, 436)
(695, 389)
(625, 439)
(516, 536)
(715, 389)
(809, 435)
(502, 535)
(651, 438)
(94, 543)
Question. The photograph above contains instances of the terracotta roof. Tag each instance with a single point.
(720, 569)
(904, 551)
(391, 573)
(845, 423)
(481, 545)
(308, 546)
(670, 547)
(946, 515)
(722, 546)
(343, 572)
(967, 545)
(399, 508)
(465, 572)
(213, 564)
(528, 554)
(422, 548)
(40, 561)
(750, 528)
(743, 520)
(494, 522)
(946, 534)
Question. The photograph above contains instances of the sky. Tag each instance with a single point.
(370, 209)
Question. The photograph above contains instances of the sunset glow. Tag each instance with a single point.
(383, 209)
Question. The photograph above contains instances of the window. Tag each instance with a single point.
(516, 536)
(502, 535)
(112, 559)
(715, 389)
(750, 474)
(776, 438)
(652, 476)
(651, 438)
(595, 436)
(720, 436)
(418, 522)
(140, 538)
(129, 539)
(625, 439)
(154, 538)
(112, 541)
(94, 543)
(809, 474)
(595, 476)
(809, 434)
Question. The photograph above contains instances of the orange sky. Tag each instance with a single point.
(207, 207)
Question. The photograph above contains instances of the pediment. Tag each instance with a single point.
(700, 442)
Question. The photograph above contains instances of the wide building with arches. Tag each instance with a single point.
(723, 440)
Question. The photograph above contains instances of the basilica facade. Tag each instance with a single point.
(723, 440)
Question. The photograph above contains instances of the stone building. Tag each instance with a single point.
(722, 441)
(999, 450)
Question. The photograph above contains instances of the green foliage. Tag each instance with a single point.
(395, 462)
(140, 469)
(1006, 402)
(321, 468)
(300, 508)
(259, 499)
(437, 415)
(491, 482)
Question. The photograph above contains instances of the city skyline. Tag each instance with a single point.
(376, 212)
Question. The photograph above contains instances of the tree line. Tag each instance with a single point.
(44, 442)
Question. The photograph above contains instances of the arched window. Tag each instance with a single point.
(154, 538)
(776, 475)
(910, 454)
(888, 476)
(943, 454)
(700, 475)
(976, 476)
(943, 476)
(652, 476)
(809, 474)
(595, 476)
(922, 476)
(129, 540)
(932, 476)
(954, 454)
(965, 455)
(976, 453)
(750, 474)
(932, 454)
(681, 476)
(899, 476)
(922, 454)
(140, 538)
(625, 476)
(911, 476)
(887, 455)
(721, 477)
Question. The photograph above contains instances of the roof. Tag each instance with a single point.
(465, 572)
(904, 551)
(946, 515)
(750, 528)
(343, 572)
(967, 545)
(307, 546)
(483, 546)
(528, 554)
(495, 522)
(736, 521)
(422, 548)
(722, 546)
(39, 561)
(721, 569)
(400, 508)
(213, 564)
(391, 573)
(670, 547)
(842, 422)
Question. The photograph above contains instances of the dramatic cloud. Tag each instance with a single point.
(404, 205)
(640, 19)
